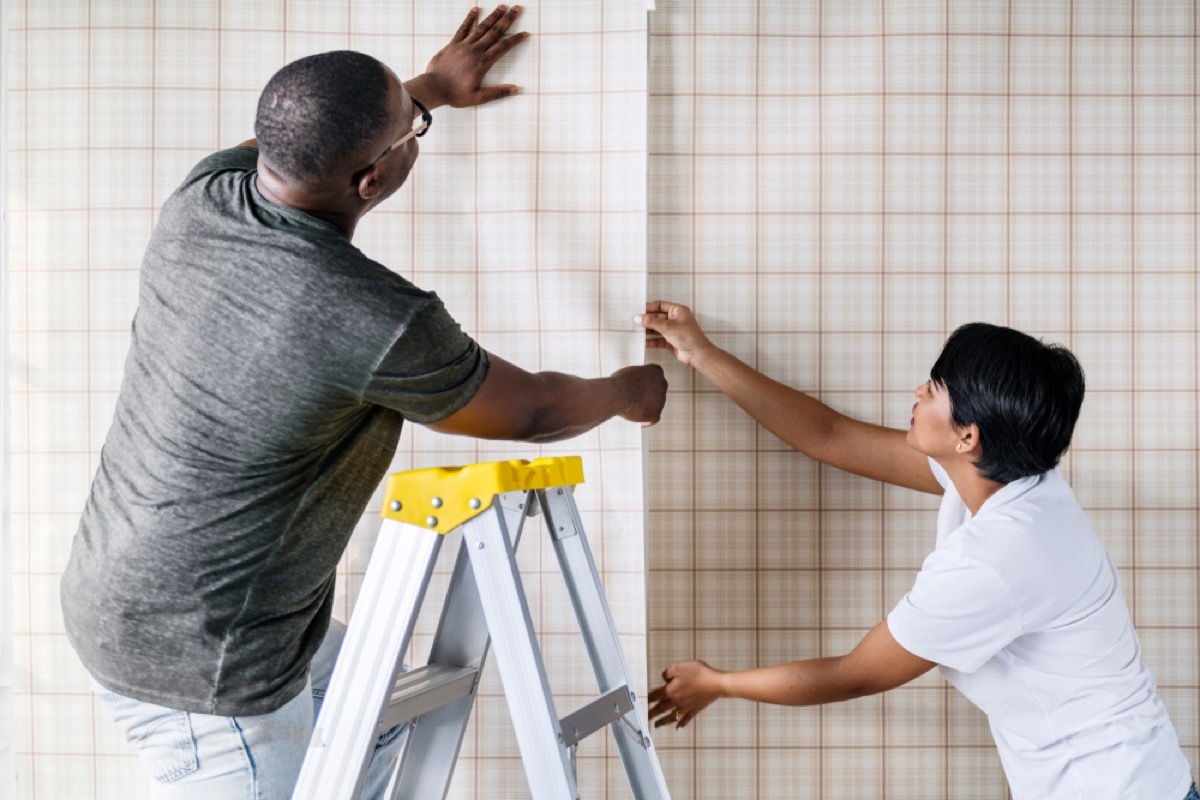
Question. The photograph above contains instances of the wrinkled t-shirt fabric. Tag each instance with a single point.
(270, 370)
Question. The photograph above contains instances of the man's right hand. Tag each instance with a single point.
(550, 406)
(645, 388)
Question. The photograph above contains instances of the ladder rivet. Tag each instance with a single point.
(396, 505)
(474, 502)
(431, 522)
(436, 502)
(560, 491)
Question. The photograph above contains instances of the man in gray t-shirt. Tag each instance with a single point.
(271, 367)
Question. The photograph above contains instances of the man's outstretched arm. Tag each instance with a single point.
(455, 74)
(549, 406)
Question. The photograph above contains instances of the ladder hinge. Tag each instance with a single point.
(605, 709)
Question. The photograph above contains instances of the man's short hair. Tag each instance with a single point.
(1023, 394)
(320, 111)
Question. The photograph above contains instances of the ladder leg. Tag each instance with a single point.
(462, 639)
(539, 736)
(376, 638)
(485, 607)
(631, 731)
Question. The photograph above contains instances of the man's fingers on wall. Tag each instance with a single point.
(482, 28)
(501, 27)
(489, 93)
(465, 29)
(496, 51)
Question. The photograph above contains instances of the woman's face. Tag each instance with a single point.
(931, 429)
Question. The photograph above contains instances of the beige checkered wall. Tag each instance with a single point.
(528, 217)
(835, 186)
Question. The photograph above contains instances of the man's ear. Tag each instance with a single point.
(368, 183)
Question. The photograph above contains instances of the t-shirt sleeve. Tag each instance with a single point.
(959, 613)
(940, 475)
(432, 369)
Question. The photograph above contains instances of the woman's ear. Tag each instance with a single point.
(968, 439)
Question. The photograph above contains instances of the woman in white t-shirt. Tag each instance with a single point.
(1019, 605)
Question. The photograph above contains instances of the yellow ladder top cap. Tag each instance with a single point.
(442, 498)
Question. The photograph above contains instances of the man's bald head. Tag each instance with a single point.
(322, 115)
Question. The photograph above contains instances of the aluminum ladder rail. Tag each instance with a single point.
(485, 605)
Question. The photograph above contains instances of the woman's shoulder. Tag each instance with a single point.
(1042, 535)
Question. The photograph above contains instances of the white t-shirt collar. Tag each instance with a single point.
(1006, 494)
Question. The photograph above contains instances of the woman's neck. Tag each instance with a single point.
(973, 488)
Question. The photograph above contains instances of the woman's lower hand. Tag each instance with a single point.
(689, 687)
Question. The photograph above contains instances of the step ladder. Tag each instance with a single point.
(368, 691)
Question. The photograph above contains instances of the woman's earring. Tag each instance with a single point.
(959, 448)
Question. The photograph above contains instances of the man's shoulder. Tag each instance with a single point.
(218, 174)
(236, 159)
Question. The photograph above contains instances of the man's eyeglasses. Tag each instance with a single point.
(419, 129)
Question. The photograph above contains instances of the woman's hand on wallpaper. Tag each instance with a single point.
(455, 75)
(689, 688)
(673, 327)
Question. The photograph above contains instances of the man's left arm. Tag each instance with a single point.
(454, 76)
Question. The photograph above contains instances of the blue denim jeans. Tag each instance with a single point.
(204, 757)
(1193, 793)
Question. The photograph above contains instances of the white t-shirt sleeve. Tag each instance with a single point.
(959, 613)
(940, 475)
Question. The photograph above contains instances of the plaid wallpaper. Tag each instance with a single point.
(833, 186)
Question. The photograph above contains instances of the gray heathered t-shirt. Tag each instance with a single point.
(271, 367)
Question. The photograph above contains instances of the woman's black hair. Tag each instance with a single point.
(320, 111)
(1023, 394)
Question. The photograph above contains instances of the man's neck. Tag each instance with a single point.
(338, 211)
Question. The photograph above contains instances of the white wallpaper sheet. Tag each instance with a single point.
(7, 740)
(528, 217)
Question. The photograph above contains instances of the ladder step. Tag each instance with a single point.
(422, 690)
(485, 608)
(606, 708)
